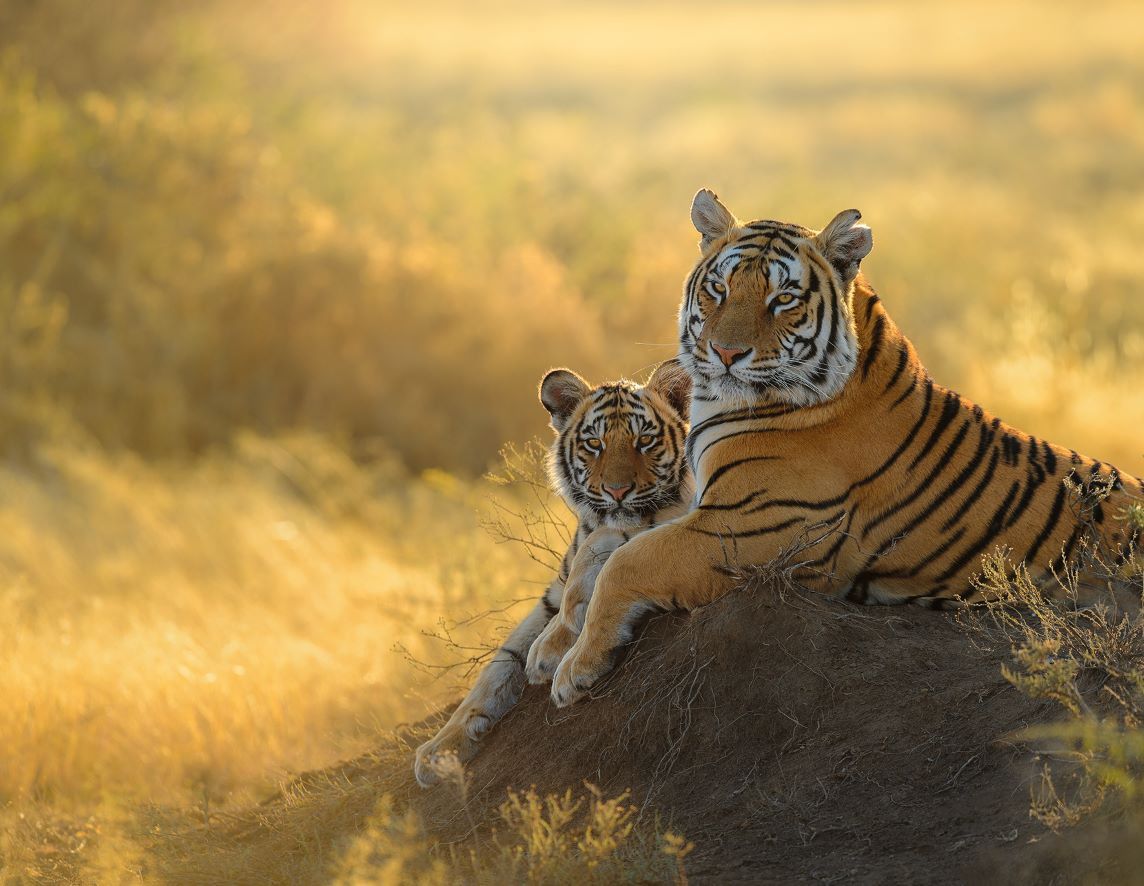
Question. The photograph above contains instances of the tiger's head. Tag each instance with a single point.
(767, 312)
(619, 449)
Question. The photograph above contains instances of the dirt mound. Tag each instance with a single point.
(792, 738)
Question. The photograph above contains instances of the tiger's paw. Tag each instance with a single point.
(446, 752)
(575, 675)
(546, 651)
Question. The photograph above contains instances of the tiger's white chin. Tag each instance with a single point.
(733, 391)
(624, 519)
(739, 394)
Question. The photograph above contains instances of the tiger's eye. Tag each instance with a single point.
(594, 442)
(719, 287)
(646, 440)
(785, 299)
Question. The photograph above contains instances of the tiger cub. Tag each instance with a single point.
(815, 427)
(618, 461)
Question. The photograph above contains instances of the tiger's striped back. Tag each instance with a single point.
(810, 407)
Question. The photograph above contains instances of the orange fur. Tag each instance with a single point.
(811, 408)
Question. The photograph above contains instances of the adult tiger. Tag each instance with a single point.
(811, 409)
(618, 461)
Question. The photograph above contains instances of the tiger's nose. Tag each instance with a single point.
(617, 492)
(728, 355)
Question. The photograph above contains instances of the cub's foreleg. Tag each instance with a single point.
(680, 565)
(560, 633)
(497, 689)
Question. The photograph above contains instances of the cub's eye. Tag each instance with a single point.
(645, 440)
(594, 443)
(785, 299)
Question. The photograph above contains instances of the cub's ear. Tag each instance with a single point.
(711, 218)
(845, 243)
(561, 391)
(671, 381)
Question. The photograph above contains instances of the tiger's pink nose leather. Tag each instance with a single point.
(728, 355)
(617, 492)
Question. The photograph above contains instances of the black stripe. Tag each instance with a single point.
(909, 438)
(869, 478)
(930, 557)
(942, 497)
(1011, 448)
(923, 486)
(1058, 506)
(829, 555)
(721, 418)
(903, 359)
(902, 396)
(813, 337)
(990, 534)
(875, 344)
(1033, 481)
(948, 410)
(859, 590)
(832, 340)
(801, 503)
(730, 466)
(702, 452)
(975, 494)
(734, 505)
(764, 530)
(515, 656)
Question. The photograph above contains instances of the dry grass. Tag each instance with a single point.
(187, 635)
(201, 627)
(354, 824)
(276, 281)
(1080, 644)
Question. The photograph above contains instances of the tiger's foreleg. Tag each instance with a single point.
(497, 689)
(676, 566)
(561, 632)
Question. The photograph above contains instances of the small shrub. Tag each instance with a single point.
(1084, 651)
(555, 838)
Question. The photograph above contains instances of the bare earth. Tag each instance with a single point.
(792, 739)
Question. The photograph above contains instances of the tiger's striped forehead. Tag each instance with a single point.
(769, 248)
(617, 407)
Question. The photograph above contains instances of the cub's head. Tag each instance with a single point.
(767, 312)
(619, 448)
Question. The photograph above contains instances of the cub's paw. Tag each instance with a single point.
(455, 744)
(547, 650)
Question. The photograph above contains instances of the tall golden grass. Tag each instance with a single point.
(277, 280)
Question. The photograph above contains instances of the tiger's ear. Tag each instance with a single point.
(711, 218)
(561, 391)
(671, 381)
(845, 243)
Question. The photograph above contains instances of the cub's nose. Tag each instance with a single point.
(617, 492)
(728, 355)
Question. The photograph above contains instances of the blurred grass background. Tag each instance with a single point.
(278, 279)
